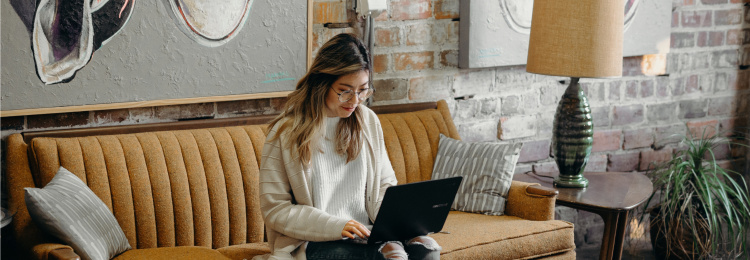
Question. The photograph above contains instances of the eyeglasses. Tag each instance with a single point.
(349, 94)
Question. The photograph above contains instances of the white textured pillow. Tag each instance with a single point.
(487, 169)
(70, 211)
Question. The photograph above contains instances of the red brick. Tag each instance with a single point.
(449, 58)
(699, 129)
(389, 89)
(382, 17)
(668, 134)
(534, 151)
(330, 12)
(606, 140)
(244, 107)
(675, 19)
(278, 104)
(625, 115)
(735, 37)
(651, 157)
(183, 112)
(691, 84)
(623, 162)
(111, 116)
(413, 61)
(142, 115)
(720, 106)
(728, 17)
(631, 66)
(680, 40)
(713, 2)
(410, 10)
(387, 37)
(696, 18)
(715, 38)
(720, 151)
(430, 88)
(647, 88)
(631, 89)
(57, 120)
(638, 138)
(419, 34)
(446, 9)
(380, 63)
(688, 2)
(702, 40)
(597, 163)
(727, 126)
(445, 32)
(12, 123)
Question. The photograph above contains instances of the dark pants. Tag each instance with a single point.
(342, 249)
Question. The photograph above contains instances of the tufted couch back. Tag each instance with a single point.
(193, 187)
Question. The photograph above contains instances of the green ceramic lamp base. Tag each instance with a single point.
(572, 137)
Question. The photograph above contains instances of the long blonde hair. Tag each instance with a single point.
(305, 106)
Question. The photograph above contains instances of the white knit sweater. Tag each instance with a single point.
(285, 196)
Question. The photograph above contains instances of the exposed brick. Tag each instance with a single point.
(387, 37)
(624, 115)
(614, 90)
(12, 123)
(594, 91)
(700, 18)
(278, 104)
(389, 89)
(647, 88)
(382, 17)
(661, 112)
(691, 84)
(728, 17)
(57, 120)
(185, 112)
(511, 105)
(702, 39)
(715, 39)
(623, 162)
(725, 81)
(662, 87)
(419, 34)
(706, 82)
(597, 163)
(449, 58)
(413, 61)
(692, 109)
(515, 74)
(700, 60)
(687, 2)
(142, 114)
(720, 106)
(534, 151)
(548, 95)
(682, 40)
(475, 82)
(668, 135)
(467, 108)
(444, 32)
(380, 63)
(675, 19)
(638, 138)
(720, 151)
(600, 116)
(651, 157)
(678, 86)
(631, 66)
(530, 101)
(703, 129)
(631, 89)
(244, 107)
(430, 88)
(490, 106)
(545, 168)
(111, 116)
(330, 12)
(735, 36)
(606, 140)
(481, 131)
(727, 126)
(725, 59)
(410, 9)
(446, 9)
(517, 127)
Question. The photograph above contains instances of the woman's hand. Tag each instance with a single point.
(355, 228)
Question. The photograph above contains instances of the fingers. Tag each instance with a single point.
(353, 228)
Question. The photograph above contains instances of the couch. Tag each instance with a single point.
(189, 189)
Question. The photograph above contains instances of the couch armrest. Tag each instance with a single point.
(53, 251)
(531, 201)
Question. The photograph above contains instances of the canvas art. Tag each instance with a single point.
(209, 22)
(497, 32)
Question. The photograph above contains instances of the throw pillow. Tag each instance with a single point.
(487, 169)
(70, 211)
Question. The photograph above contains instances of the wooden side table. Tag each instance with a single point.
(611, 195)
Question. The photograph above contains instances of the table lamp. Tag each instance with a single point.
(577, 39)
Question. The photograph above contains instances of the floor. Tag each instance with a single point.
(634, 249)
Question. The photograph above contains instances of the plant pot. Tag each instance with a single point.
(675, 240)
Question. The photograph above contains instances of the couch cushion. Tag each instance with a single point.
(245, 251)
(172, 253)
(477, 236)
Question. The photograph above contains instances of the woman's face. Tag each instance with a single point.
(356, 82)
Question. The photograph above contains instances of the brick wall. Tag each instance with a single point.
(706, 85)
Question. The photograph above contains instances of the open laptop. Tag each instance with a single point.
(414, 209)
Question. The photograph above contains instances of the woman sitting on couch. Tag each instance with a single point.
(324, 169)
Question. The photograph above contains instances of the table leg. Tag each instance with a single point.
(610, 231)
(622, 223)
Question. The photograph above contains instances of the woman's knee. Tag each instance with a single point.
(428, 242)
(393, 250)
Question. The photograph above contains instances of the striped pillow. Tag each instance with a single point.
(70, 211)
(487, 169)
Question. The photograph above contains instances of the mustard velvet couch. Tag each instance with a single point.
(190, 189)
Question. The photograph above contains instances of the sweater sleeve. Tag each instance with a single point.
(278, 206)
(386, 173)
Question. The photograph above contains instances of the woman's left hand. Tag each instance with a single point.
(353, 228)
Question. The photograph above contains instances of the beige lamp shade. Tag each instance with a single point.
(576, 38)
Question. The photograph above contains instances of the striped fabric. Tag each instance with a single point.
(487, 169)
(70, 211)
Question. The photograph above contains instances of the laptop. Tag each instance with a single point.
(414, 209)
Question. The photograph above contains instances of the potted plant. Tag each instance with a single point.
(701, 209)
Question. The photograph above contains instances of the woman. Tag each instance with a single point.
(324, 169)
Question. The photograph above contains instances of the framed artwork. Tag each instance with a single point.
(496, 32)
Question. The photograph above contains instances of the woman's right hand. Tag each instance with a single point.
(355, 228)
